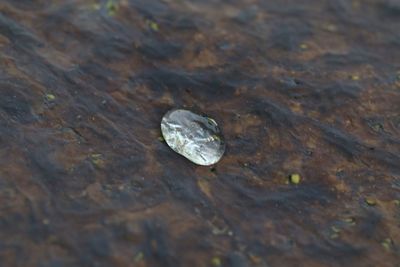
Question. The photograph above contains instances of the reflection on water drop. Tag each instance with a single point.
(195, 137)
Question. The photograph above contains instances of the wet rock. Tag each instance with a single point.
(14, 104)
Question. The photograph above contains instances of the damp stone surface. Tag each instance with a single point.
(197, 138)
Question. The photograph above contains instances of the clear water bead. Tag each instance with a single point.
(197, 138)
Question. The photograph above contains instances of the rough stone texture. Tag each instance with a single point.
(299, 86)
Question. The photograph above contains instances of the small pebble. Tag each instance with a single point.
(370, 201)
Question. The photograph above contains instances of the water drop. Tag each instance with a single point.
(197, 138)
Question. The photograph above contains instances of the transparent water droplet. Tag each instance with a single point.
(197, 138)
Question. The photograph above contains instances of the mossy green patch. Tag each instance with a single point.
(216, 261)
(295, 178)
(139, 257)
(97, 159)
(50, 97)
(153, 25)
(350, 220)
(387, 243)
(96, 6)
(303, 46)
(112, 7)
(377, 127)
(334, 235)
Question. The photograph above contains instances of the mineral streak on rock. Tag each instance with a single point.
(197, 138)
